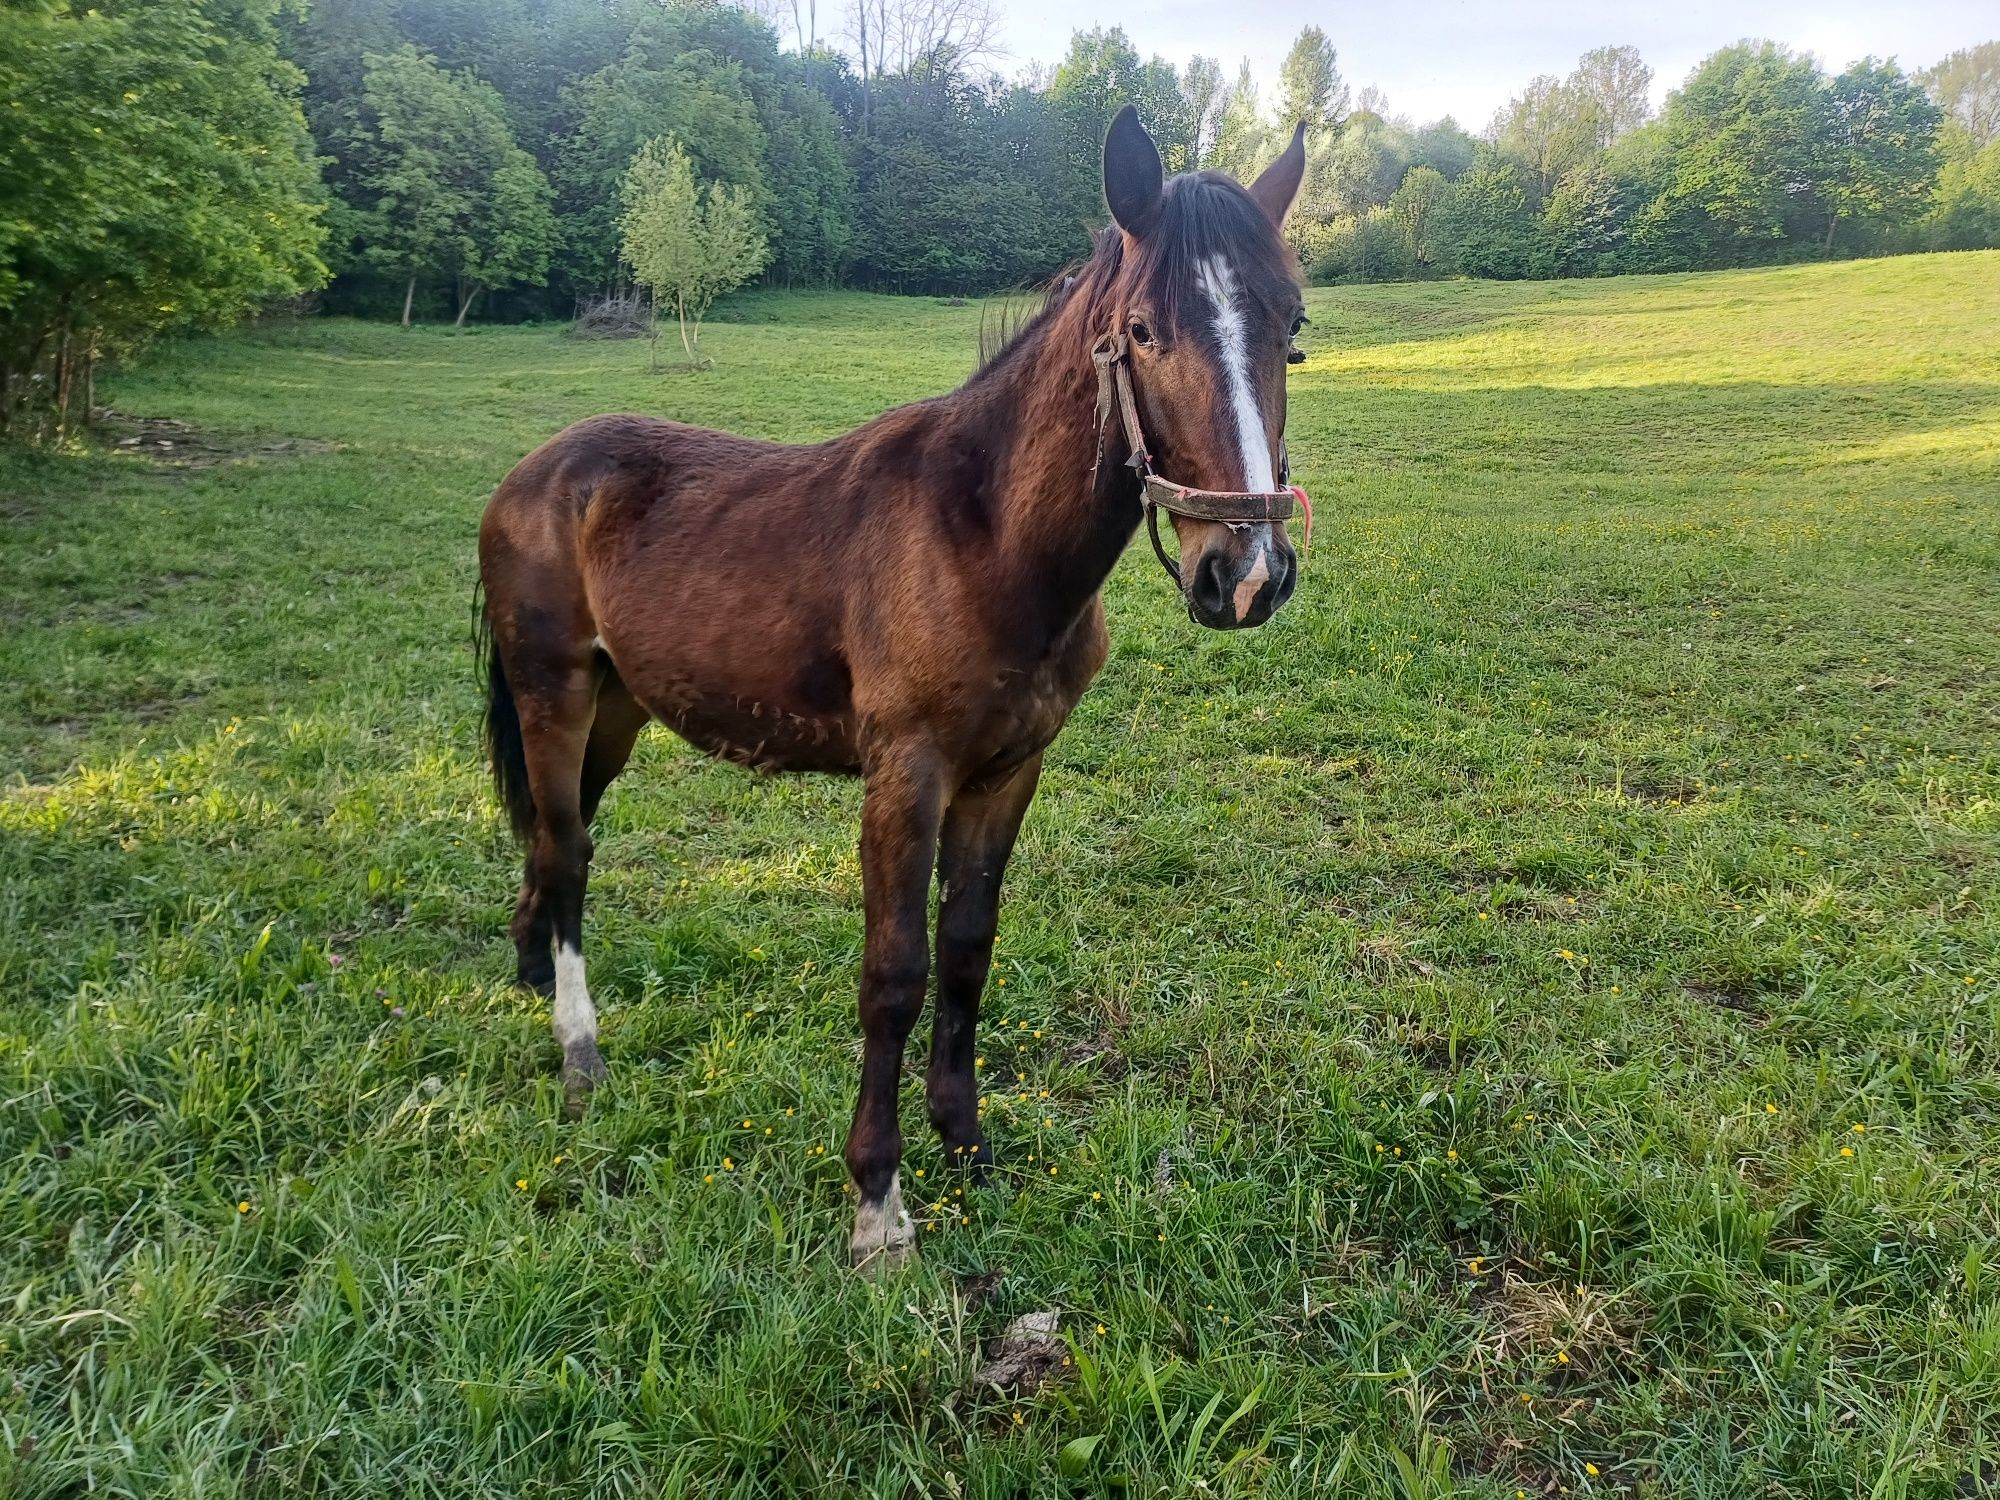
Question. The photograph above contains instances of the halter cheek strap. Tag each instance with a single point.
(1112, 356)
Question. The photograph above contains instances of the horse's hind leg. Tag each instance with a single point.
(556, 698)
(978, 836)
(614, 728)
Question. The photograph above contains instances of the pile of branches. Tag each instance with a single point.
(614, 315)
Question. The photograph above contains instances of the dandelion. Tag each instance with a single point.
(1486, 916)
(1097, 1197)
(243, 1207)
(1477, 1265)
(1846, 1150)
(1562, 1356)
(1161, 1238)
(728, 1164)
(1591, 1470)
(1770, 1109)
(1860, 1129)
(710, 1177)
(1451, 1156)
(1100, 1330)
(521, 1183)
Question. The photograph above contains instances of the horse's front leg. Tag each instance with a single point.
(899, 830)
(978, 836)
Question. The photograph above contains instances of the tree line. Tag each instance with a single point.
(172, 163)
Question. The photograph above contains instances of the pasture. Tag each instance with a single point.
(1527, 1020)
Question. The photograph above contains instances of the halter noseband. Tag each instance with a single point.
(1113, 357)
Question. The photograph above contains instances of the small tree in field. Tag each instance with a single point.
(687, 243)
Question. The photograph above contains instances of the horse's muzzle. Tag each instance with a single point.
(1229, 591)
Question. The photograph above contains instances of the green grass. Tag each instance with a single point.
(1604, 836)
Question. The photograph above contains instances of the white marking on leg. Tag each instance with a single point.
(575, 1016)
(1219, 281)
(883, 1233)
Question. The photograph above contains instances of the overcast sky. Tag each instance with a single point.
(1452, 57)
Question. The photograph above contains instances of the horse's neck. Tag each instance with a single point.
(1058, 532)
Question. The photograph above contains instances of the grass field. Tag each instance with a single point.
(1526, 1021)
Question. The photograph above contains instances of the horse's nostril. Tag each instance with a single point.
(1210, 591)
(1288, 576)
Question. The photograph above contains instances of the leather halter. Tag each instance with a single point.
(1113, 357)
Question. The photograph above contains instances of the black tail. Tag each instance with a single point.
(503, 729)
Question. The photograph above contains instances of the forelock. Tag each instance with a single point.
(1205, 217)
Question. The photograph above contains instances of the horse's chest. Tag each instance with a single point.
(1031, 706)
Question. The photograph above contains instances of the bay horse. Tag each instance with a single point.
(916, 602)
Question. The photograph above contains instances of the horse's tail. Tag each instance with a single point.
(503, 727)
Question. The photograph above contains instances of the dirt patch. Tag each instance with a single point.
(177, 445)
(1098, 1052)
(1732, 997)
(978, 1290)
(1382, 956)
(1570, 1331)
(1664, 792)
(1029, 1353)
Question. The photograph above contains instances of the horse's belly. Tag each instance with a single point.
(762, 736)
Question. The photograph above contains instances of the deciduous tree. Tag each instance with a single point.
(686, 243)
(1882, 145)
(155, 173)
(447, 191)
(1966, 86)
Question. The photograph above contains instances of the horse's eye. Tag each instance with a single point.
(1142, 333)
(1299, 322)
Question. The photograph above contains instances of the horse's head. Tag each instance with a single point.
(1207, 301)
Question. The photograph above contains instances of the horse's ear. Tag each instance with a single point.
(1276, 189)
(1134, 181)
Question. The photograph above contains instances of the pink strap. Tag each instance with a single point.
(1299, 494)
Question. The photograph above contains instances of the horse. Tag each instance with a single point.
(916, 603)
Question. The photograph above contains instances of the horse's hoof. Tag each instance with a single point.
(885, 1262)
(583, 1070)
(884, 1238)
(541, 979)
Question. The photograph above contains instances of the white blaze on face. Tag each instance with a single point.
(1232, 334)
(575, 1016)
